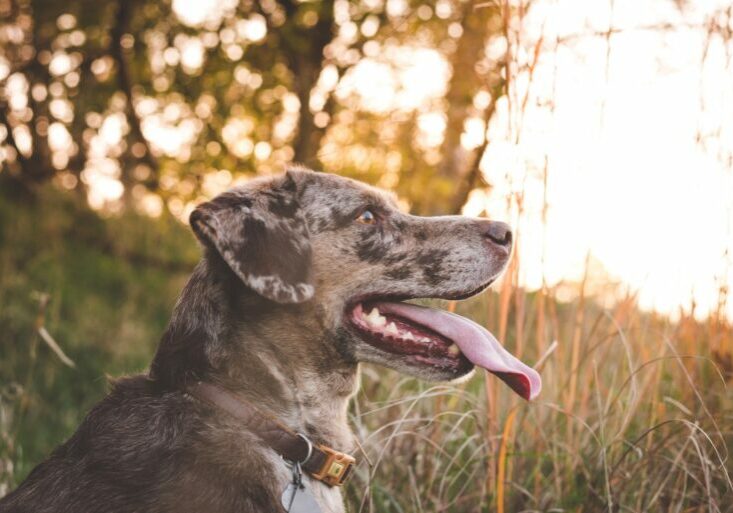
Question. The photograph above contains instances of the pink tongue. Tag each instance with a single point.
(476, 344)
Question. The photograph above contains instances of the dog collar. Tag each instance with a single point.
(319, 461)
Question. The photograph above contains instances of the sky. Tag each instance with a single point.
(630, 184)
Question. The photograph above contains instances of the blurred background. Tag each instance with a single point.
(602, 130)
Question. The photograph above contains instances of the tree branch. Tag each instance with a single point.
(305, 65)
(473, 175)
(124, 81)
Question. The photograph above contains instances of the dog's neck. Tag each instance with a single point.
(277, 357)
(283, 364)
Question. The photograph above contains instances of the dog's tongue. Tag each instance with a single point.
(475, 342)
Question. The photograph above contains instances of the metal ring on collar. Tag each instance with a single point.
(310, 448)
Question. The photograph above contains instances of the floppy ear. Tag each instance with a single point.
(261, 233)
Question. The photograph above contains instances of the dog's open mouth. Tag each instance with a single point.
(428, 336)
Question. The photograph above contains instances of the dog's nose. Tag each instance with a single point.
(499, 233)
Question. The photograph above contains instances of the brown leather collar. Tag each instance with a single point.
(320, 461)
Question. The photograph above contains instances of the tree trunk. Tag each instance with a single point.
(125, 83)
(308, 137)
(460, 165)
(304, 50)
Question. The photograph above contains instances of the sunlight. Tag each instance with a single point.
(192, 53)
(627, 181)
(170, 127)
(102, 176)
(195, 13)
(236, 136)
(404, 78)
(432, 127)
(253, 29)
(474, 133)
(59, 138)
(60, 64)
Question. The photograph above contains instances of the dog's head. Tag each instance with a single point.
(343, 251)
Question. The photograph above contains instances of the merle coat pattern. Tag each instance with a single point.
(262, 316)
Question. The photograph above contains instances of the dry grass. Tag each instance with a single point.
(635, 415)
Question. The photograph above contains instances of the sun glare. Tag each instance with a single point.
(628, 181)
(196, 13)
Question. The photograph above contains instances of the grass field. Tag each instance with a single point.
(635, 414)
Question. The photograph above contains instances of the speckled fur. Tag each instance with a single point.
(263, 316)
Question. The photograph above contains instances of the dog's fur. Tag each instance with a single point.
(262, 316)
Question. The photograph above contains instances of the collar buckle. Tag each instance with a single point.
(337, 467)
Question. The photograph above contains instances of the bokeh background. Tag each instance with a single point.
(602, 130)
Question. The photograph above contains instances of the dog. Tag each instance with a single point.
(304, 275)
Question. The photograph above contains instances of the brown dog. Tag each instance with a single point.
(302, 278)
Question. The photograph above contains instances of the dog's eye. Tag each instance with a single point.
(367, 217)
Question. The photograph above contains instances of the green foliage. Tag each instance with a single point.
(112, 284)
(245, 89)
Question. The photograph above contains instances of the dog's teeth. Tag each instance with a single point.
(391, 329)
(453, 349)
(408, 336)
(375, 319)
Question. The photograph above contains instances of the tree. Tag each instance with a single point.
(178, 100)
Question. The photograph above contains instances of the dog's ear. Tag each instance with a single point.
(261, 233)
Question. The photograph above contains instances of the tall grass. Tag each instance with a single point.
(635, 413)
